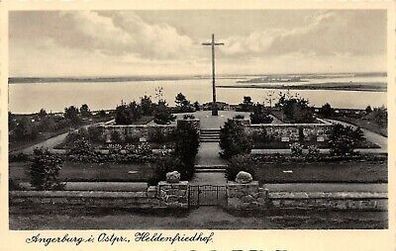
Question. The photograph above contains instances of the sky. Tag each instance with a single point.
(168, 42)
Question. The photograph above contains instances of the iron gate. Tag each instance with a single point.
(207, 195)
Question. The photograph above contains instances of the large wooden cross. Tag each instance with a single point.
(214, 104)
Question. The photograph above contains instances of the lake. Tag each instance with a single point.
(31, 97)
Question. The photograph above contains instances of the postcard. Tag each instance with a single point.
(197, 125)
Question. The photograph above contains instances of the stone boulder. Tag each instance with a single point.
(243, 177)
(173, 177)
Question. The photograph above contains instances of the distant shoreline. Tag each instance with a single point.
(24, 80)
(331, 86)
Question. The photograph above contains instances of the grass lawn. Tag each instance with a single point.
(42, 136)
(317, 172)
(72, 171)
(366, 124)
(201, 218)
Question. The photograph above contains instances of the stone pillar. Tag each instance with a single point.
(247, 196)
(173, 195)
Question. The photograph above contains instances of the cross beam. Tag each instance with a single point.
(214, 104)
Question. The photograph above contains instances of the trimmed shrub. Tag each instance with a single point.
(259, 115)
(186, 148)
(164, 165)
(344, 140)
(313, 153)
(296, 150)
(44, 170)
(95, 134)
(75, 136)
(240, 163)
(234, 140)
(162, 114)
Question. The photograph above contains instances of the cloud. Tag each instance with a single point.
(116, 34)
(324, 33)
(126, 43)
(157, 41)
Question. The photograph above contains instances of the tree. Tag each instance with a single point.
(162, 113)
(344, 140)
(102, 113)
(234, 140)
(368, 109)
(159, 93)
(47, 124)
(197, 106)
(295, 109)
(182, 103)
(11, 121)
(259, 115)
(44, 170)
(379, 115)
(122, 116)
(247, 103)
(326, 111)
(95, 134)
(42, 113)
(186, 147)
(127, 114)
(25, 129)
(146, 105)
(84, 110)
(72, 114)
(270, 97)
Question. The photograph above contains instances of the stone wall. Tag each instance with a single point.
(137, 132)
(246, 196)
(329, 201)
(75, 199)
(164, 195)
(251, 197)
(144, 132)
(173, 195)
(291, 132)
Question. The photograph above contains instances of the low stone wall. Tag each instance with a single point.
(164, 195)
(329, 201)
(246, 196)
(137, 132)
(144, 132)
(291, 132)
(251, 197)
(99, 199)
(173, 195)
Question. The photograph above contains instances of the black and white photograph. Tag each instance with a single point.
(186, 119)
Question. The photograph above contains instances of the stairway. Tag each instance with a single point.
(210, 168)
(210, 135)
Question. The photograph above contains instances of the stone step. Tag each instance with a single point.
(219, 170)
(218, 166)
(210, 131)
(210, 136)
(209, 140)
